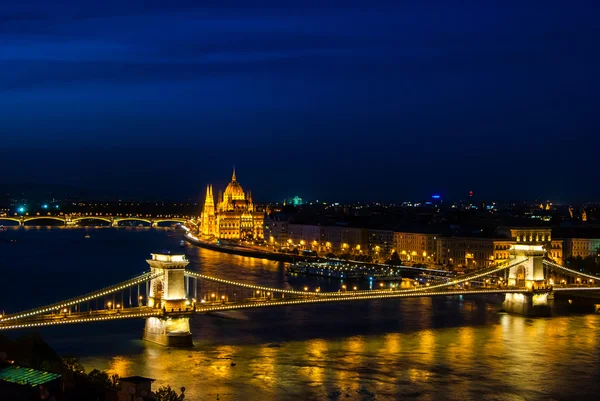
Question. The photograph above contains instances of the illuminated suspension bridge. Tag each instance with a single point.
(169, 295)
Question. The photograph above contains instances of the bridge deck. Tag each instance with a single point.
(143, 312)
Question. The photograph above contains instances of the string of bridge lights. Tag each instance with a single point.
(83, 298)
(205, 309)
(555, 265)
(149, 276)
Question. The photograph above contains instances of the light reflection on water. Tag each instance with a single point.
(421, 349)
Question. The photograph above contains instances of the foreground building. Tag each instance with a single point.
(233, 216)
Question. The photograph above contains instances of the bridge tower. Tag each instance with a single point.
(528, 274)
(167, 292)
(531, 271)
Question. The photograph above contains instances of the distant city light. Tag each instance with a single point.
(21, 209)
(57, 206)
(436, 197)
(44, 206)
(295, 201)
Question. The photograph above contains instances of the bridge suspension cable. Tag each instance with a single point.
(200, 276)
(477, 274)
(136, 314)
(462, 279)
(569, 271)
(83, 298)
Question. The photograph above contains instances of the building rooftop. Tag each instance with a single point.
(26, 376)
(136, 379)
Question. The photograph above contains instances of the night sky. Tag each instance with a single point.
(345, 100)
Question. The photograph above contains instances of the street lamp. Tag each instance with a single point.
(109, 304)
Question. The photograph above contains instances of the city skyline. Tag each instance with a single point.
(308, 200)
(344, 101)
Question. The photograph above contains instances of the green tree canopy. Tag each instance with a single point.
(166, 393)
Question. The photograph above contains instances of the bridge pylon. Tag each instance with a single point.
(167, 292)
(531, 271)
(530, 274)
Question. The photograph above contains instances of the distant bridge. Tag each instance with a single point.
(169, 295)
(113, 220)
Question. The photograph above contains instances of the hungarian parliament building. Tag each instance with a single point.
(233, 215)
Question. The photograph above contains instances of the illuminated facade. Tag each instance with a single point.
(583, 247)
(381, 244)
(543, 236)
(325, 239)
(468, 252)
(233, 216)
(416, 247)
(477, 252)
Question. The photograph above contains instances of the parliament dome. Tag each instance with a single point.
(234, 190)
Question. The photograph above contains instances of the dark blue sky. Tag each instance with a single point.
(362, 100)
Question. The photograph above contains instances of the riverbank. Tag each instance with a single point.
(278, 257)
(283, 257)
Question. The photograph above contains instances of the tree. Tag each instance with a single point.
(73, 365)
(103, 379)
(166, 393)
(395, 259)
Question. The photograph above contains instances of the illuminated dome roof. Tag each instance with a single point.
(234, 190)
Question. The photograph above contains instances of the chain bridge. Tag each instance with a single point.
(169, 295)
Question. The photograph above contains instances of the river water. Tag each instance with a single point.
(448, 348)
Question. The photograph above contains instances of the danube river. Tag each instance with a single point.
(419, 349)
